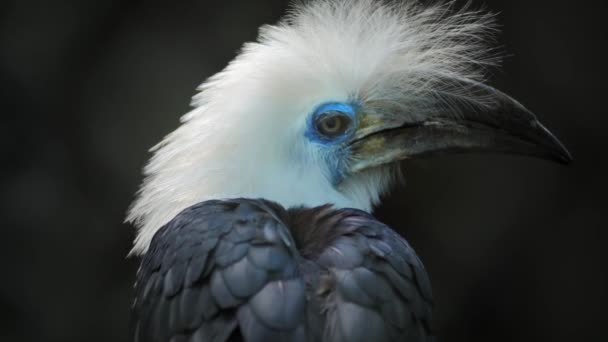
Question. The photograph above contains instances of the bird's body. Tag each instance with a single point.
(251, 270)
(313, 119)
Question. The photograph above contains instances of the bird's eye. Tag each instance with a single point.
(333, 124)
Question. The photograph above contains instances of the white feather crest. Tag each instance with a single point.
(241, 139)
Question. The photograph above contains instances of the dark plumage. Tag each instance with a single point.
(246, 269)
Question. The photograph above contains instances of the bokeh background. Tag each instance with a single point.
(516, 247)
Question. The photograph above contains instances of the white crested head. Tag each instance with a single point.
(248, 133)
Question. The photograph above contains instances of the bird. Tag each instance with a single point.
(254, 219)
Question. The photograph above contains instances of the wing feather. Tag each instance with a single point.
(230, 271)
(221, 270)
(381, 291)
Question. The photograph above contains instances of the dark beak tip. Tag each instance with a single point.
(557, 151)
(564, 157)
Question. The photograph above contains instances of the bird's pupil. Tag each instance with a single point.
(331, 124)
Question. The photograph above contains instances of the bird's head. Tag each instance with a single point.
(326, 103)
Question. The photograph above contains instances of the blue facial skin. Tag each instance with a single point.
(334, 150)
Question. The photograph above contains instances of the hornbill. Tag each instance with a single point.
(254, 216)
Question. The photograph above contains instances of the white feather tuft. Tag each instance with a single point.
(244, 138)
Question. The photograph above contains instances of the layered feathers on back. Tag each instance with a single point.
(243, 138)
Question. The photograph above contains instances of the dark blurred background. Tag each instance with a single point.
(516, 247)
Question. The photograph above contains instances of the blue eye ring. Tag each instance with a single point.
(332, 122)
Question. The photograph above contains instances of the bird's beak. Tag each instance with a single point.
(390, 132)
